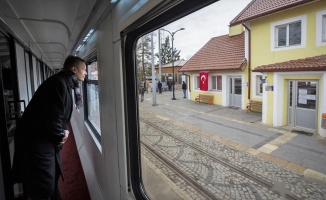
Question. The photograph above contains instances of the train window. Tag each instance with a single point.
(21, 71)
(181, 157)
(35, 73)
(28, 77)
(92, 108)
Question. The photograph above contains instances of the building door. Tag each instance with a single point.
(302, 107)
(235, 91)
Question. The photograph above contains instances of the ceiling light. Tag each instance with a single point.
(88, 35)
(79, 47)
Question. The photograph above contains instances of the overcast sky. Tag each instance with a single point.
(204, 24)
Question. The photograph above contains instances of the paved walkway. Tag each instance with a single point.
(244, 131)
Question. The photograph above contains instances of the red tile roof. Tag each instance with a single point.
(219, 53)
(259, 8)
(316, 63)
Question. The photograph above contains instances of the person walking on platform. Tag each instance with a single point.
(43, 129)
(169, 85)
(142, 91)
(184, 89)
(159, 85)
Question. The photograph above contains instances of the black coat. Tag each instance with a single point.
(38, 134)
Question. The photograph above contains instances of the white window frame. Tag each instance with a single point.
(321, 28)
(275, 25)
(256, 84)
(196, 82)
(211, 82)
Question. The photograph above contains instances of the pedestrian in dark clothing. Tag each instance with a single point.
(42, 130)
(142, 91)
(169, 85)
(184, 89)
(159, 85)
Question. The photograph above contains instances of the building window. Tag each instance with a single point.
(217, 83)
(92, 99)
(321, 28)
(289, 34)
(196, 82)
(259, 85)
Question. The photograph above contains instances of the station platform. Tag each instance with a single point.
(304, 154)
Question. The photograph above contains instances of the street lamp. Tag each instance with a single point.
(172, 38)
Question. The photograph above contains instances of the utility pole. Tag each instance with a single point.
(172, 38)
(153, 74)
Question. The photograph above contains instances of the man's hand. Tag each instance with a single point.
(64, 139)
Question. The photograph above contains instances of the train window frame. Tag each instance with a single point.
(92, 58)
(170, 11)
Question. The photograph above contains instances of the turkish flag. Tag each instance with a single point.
(203, 78)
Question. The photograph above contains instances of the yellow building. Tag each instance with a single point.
(218, 69)
(286, 44)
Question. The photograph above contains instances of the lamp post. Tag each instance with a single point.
(172, 38)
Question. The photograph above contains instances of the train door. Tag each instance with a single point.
(235, 91)
(302, 106)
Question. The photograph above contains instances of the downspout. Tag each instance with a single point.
(249, 60)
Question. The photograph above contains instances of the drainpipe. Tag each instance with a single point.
(249, 62)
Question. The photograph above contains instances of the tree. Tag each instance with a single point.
(166, 52)
(143, 56)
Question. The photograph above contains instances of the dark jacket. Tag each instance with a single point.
(38, 134)
(184, 86)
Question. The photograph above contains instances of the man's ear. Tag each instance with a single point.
(74, 69)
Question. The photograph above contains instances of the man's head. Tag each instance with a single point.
(77, 66)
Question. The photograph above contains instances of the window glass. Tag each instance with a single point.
(197, 82)
(28, 77)
(295, 33)
(237, 86)
(92, 71)
(21, 72)
(216, 82)
(324, 28)
(306, 94)
(165, 162)
(281, 36)
(288, 35)
(259, 85)
(93, 107)
(35, 77)
(214, 87)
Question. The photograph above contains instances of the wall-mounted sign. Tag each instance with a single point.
(269, 88)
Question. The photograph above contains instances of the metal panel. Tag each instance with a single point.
(306, 118)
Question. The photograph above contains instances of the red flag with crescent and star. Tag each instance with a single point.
(203, 77)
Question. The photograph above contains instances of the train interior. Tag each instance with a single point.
(113, 127)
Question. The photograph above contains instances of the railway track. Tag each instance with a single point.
(209, 188)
